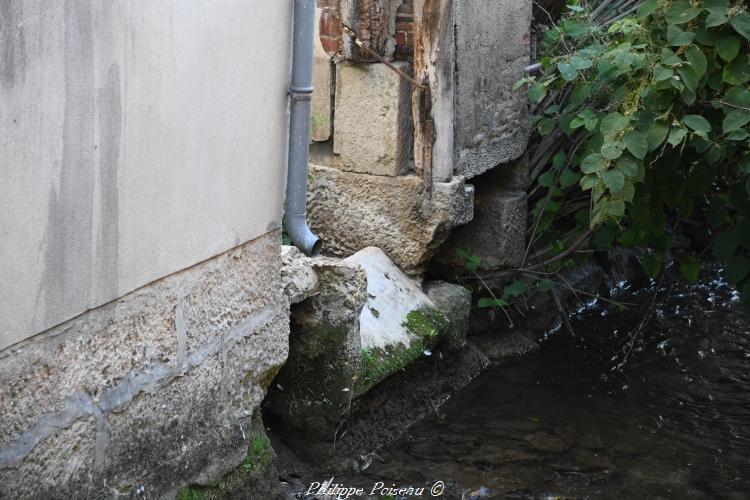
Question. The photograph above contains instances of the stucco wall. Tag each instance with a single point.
(137, 138)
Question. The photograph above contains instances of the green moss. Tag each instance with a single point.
(257, 453)
(380, 363)
(425, 323)
(190, 494)
(321, 340)
(259, 457)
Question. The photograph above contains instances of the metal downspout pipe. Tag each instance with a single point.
(300, 95)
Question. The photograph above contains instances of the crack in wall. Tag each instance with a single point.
(81, 405)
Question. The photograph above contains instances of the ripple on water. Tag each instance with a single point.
(598, 415)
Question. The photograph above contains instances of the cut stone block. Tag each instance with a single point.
(492, 50)
(398, 324)
(316, 387)
(497, 233)
(373, 128)
(150, 392)
(454, 301)
(408, 220)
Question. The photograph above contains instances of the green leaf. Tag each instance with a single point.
(697, 123)
(546, 179)
(656, 134)
(604, 237)
(662, 74)
(514, 289)
(614, 179)
(647, 8)
(738, 96)
(588, 181)
(734, 120)
(689, 77)
(725, 244)
(593, 163)
(579, 63)
(741, 23)
(736, 72)
(626, 193)
(613, 124)
(580, 94)
(536, 92)
(681, 12)
(569, 178)
(652, 265)
(627, 165)
(716, 18)
(669, 58)
(676, 37)
(728, 47)
(690, 268)
(546, 125)
(676, 135)
(567, 71)
(636, 143)
(697, 60)
(611, 150)
(486, 302)
(737, 269)
(544, 285)
(472, 263)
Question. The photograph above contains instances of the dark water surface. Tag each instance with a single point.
(672, 422)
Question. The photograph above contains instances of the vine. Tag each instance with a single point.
(642, 113)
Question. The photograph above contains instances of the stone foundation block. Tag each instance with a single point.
(401, 215)
(492, 50)
(399, 323)
(316, 387)
(373, 128)
(497, 235)
(454, 301)
(140, 396)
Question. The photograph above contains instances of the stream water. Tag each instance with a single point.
(599, 414)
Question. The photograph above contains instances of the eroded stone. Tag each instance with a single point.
(492, 50)
(373, 128)
(401, 215)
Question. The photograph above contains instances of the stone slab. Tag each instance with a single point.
(391, 297)
(497, 234)
(492, 50)
(454, 301)
(401, 215)
(373, 131)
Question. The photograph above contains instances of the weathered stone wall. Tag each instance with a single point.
(137, 138)
(492, 49)
(150, 392)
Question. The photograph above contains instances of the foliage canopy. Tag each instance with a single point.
(645, 126)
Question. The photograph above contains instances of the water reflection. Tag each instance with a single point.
(671, 422)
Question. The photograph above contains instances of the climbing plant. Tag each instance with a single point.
(643, 118)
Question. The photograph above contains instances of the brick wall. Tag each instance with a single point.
(405, 31)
